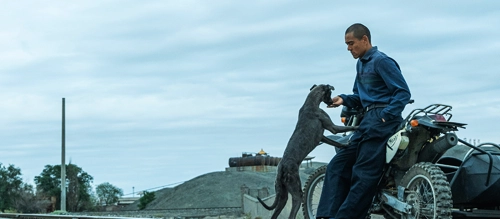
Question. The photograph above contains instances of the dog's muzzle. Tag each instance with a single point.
(328, 102)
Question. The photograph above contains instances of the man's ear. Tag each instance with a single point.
(365, 39)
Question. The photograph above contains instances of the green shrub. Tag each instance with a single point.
(59, 212)
(146, 198)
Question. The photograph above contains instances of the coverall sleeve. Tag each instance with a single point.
(352, 100)
(393, 78)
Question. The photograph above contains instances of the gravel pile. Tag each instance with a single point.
(216, 189)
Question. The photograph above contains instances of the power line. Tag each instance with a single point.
(156, 188)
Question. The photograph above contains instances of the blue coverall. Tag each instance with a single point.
(353, 173)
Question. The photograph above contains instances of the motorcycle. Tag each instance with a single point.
(427, 174)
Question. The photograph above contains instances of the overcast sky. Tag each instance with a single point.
(159, 92)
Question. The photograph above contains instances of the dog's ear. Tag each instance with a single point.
(312, 87)
(330, 87)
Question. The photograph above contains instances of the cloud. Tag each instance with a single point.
(159, 92)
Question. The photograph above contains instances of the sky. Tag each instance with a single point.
(159, 92)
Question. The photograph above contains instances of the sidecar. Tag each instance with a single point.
(474, 176)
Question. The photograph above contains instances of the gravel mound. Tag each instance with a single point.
(216, 190)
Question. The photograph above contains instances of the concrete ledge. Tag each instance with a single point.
(252, 207)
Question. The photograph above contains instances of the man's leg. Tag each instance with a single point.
(368, 168)
(337, 181)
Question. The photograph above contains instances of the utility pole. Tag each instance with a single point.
(63, 162)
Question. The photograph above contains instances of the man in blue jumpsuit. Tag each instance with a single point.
(353, 173)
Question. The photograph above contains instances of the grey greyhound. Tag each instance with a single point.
(307, 135)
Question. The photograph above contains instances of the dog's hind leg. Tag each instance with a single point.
(295, 189)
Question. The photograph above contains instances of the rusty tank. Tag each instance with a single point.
(249, 159)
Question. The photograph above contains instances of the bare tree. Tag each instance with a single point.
(108, 193)
(28, 202)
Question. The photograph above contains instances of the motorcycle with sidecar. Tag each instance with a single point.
(427, 173)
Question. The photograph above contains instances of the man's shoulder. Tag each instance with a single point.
(380, 58)
(380, 55)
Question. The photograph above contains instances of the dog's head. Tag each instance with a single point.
(327, 92)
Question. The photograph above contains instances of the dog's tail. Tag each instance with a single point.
(273, 206)
(278, 190)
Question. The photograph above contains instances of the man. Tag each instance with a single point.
(352, 175)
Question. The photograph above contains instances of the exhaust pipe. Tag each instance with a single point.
(434, 150)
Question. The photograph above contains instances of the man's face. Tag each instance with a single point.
(357, 47)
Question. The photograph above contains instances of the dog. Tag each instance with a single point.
(307, 135)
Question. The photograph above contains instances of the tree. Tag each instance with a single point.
(146, 198)
(79, 188)
(108, 193)
(10, 184)
(93, 204)
(49, 181)
(28, 202)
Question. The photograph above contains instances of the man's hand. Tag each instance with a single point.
(337, 101)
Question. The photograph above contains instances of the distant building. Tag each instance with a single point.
(127, 200)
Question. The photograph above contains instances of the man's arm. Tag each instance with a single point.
(391, 74)
(352, 100)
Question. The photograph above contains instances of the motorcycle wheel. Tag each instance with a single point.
(312, 192)
(430, 193)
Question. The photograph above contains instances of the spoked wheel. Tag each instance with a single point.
(312, 192)
(429, 193)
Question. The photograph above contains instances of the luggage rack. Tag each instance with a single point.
(436, 109)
